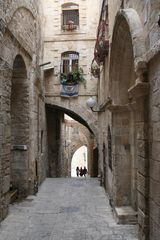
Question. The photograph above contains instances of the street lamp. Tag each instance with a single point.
(91, 102)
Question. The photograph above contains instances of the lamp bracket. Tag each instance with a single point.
(96, 110)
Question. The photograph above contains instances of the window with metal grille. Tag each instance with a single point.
(70, 16)
(69, 62)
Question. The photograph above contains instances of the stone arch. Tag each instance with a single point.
(85, 115)
(126, 60)
(83, 140)
(128, 50)
(26, 61)
(136, 32)
(24, 20)
(19, 127)
(17, 5)
(56, 111)
(24, 16)
(79, 143)
(79, 146)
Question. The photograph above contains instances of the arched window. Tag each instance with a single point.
(69, 62)
(70, 16)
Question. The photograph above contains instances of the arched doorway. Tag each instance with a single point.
(80, 159)
(129, 90)
(19, 127)
(122, 75)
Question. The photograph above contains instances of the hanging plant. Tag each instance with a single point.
(74, 77)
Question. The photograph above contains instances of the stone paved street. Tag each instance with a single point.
(65, 209)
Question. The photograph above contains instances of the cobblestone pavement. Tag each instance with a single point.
(65, 209)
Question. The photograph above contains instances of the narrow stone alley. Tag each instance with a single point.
(65, 209)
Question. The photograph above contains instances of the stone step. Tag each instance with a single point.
(125, 215)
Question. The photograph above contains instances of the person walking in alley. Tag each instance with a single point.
(81, 171)
(77, 171)
(85, 171)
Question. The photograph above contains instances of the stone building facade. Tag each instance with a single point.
(37, 39)
(32, 127)
(22, 104)
(81, 41)
(65, 44)
(129, 96)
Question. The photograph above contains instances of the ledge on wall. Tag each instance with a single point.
(138, 90)
(125, 215)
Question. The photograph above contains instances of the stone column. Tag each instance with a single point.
(139, 101)
(123, 163)
(5, 137)
(121, 155)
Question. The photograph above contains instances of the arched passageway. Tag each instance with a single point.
(64, 138)
(19, 127)
(80, 159)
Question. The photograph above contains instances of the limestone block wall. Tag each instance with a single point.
(20, 48)
(53, 53)
(148, 12)
(144, 135)
(154, 147)
(57, 41)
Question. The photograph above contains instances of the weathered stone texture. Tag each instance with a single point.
(133, 24)
(23, 21)
(154, 230)
(75, 135)
(129, 80)
(82, 40)
(154, 108)
(18, 37)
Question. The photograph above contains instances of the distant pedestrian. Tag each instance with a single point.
(77, 171)
(85, 171)
(81, 171)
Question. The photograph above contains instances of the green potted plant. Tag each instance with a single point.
(74, 77)
(70, 81)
